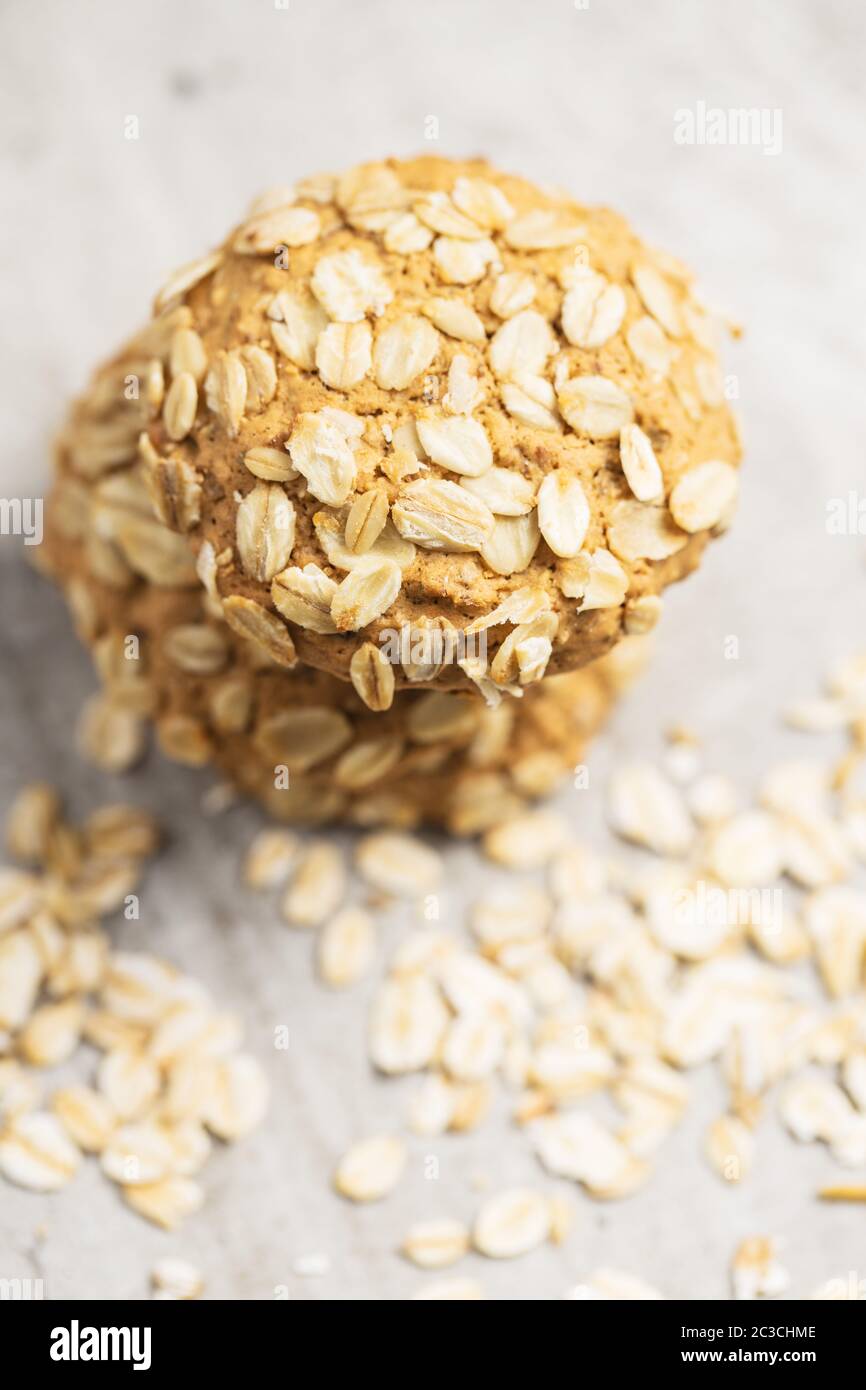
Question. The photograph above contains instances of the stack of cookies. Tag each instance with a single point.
(375, 512)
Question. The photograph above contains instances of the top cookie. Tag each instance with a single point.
(426, 408)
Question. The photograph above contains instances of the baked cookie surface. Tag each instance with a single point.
(304, 743)
(423, 397)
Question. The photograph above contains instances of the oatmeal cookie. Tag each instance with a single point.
(311, 747)
(423, 396)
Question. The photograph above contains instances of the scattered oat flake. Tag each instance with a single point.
(140, 1152)
(52, 1033)
(407, 1023)
(398, 864)
(512, 1223)
(346, 947)
(473, 1047)
(577, 1146)
(432, 1106)
(318, 885)
(176, 1278)
(647, 808)
(87, 1117)
(712, 798)
(371, 1168)
(527, 841)
(435, 1244)
(36, 1152)
(129, 1080)
(166, 1203)
(238, 1097)
(756, 1271)
(270, 858)
(31, 818)
(747, 850)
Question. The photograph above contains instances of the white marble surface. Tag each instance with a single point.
(232, 97)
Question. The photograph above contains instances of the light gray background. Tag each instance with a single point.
(232, 97)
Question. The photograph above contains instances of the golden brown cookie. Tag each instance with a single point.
(424, 399)
(302, 741)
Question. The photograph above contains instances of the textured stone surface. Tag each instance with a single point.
(581, 97)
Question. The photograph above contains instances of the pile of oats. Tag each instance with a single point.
(170, 1078)
(588, 985)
